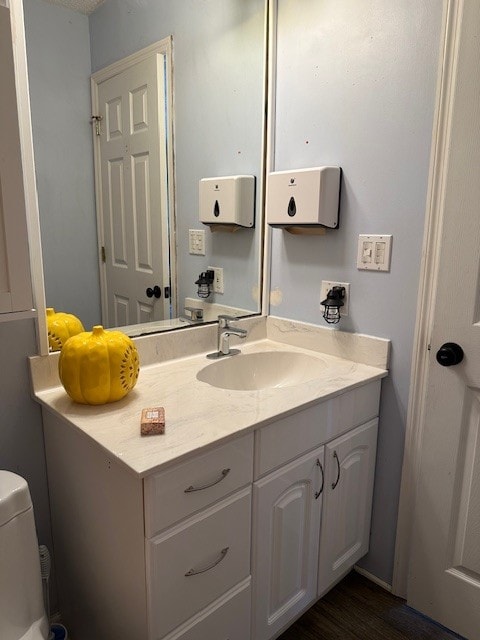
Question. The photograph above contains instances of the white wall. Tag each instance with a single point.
(58, 53)
(356, 88)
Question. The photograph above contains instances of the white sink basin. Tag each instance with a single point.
(262, 370)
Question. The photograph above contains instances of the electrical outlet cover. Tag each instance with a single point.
(217, 285)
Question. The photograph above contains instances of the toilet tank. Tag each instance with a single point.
(21, 600)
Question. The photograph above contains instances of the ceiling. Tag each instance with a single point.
(82, 6)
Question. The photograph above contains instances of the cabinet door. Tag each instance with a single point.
(287, 509)
(349, 473)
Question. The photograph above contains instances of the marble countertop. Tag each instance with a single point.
(197, 415)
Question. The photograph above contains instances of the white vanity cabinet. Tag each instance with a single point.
(311, 516)
(233, 543)
(150, 558)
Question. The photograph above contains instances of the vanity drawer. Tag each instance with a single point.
(227, 619)
(196, 562)
(294, 435)
(179, 492)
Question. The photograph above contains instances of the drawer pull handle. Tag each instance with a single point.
(334, 484)
(223, 475)
(320, 491)
(195, 572)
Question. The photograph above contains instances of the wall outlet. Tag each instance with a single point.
(196, 242)
(217, 285)
(325, 288)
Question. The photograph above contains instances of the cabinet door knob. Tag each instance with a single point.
(449, 354)
(334, 484)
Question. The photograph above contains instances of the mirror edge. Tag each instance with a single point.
(268, 158)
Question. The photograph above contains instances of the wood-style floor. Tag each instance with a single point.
(358, 609)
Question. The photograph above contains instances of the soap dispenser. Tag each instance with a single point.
(304, 198)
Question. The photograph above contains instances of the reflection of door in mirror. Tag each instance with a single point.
(130, 101)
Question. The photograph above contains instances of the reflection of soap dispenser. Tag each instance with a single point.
(227, 201)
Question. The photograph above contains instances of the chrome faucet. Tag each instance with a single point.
(225, 330)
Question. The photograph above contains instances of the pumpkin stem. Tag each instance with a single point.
(97, 330)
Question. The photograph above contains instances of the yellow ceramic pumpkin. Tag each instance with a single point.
(98, 366)
(61, 326)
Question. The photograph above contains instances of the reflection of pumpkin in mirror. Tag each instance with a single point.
(98, 366)
(61, 326)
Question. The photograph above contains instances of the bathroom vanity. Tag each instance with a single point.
(251, 506)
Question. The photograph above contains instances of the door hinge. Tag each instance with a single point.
(96, 121)
(103, 254)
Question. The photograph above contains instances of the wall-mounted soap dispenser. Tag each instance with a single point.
(228, 202)
(304, 198)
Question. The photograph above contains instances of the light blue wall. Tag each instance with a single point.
(58, 55)
(356, 88)
(21, 433)
(218, 67)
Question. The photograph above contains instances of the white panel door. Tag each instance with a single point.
(444, 572)
(134, 200)
(347, 508)
(287, 509)
(15, 284)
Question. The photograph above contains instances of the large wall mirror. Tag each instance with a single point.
(211, 112)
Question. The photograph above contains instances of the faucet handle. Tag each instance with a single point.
(196, 313)
(223, 320)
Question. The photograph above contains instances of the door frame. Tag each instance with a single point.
(162, 47)
(427, 292)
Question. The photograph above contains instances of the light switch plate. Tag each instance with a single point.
(374, 252)
(325, 288)
(196, 242)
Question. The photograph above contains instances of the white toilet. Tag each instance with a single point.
(22, 613)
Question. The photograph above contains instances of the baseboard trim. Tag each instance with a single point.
(370, 576)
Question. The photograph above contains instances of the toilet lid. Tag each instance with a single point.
(14, 496)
